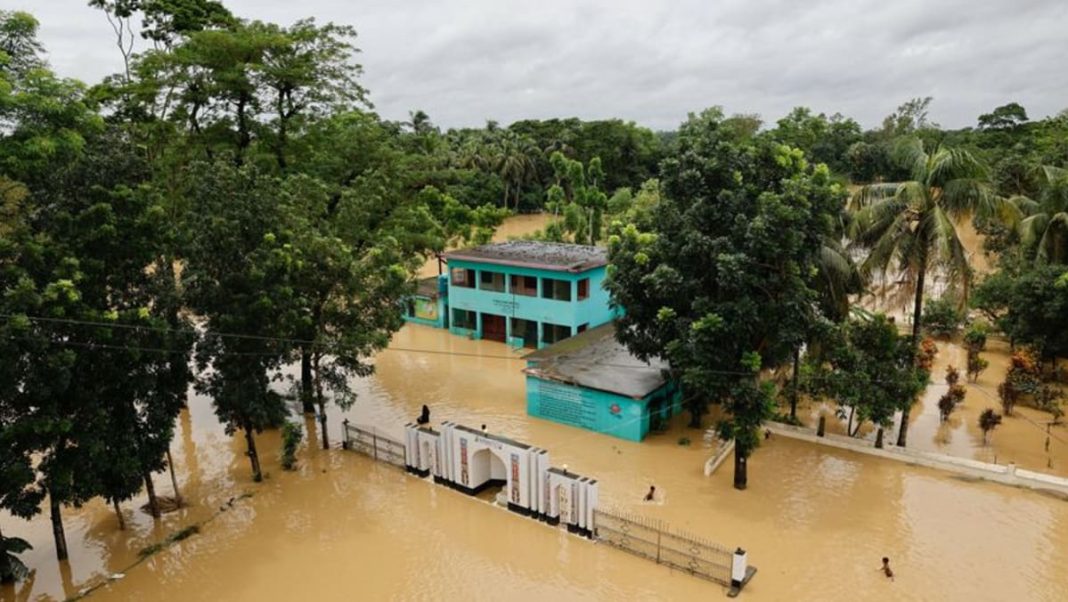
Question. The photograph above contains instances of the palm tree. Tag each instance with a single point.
(514, 163)
(838, 278)
(1044, 232)
(912, 224)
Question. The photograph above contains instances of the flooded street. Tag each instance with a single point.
(815, 521)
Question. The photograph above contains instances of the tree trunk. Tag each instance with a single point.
(57, 527)
(322, 423)
(174, 479)
(153, 501)
(879, 438)
(253, 457)
(741, 472)
(118, 514)
(849, 426)
(306, 396)
(917, 320)
(793, 393)
(322, 404)
(695, 416)
(5, 570)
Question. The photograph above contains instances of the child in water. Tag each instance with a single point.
(886, 569)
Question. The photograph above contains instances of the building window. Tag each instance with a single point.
(583, 327)
(491, 281)
(526, 330)
(525, 285)
(552, 288)
(552, 333)
(463, 277)
(583, 289)
(462, 318)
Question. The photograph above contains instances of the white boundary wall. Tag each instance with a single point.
(1007, 474)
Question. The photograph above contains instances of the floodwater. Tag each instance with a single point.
(815, 521)
(1026, 438)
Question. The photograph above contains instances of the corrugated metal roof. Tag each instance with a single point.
(596, 360)
(553, 256)
(427, 287)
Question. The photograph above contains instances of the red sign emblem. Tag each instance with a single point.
(615, 408)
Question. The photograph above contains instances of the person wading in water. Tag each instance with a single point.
(886, 569)
(652, 493)
(424, 418)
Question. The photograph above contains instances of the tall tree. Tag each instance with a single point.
(909, 228)
(239, 279)
(720, 287)
(872, 371)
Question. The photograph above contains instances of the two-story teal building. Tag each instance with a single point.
(524, 293)
(550, 297)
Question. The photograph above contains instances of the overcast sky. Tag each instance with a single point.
(466, 61)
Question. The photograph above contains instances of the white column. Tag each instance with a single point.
(739, 565)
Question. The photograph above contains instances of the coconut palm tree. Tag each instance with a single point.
(1044, 230)
(909, 228)
(514, 163)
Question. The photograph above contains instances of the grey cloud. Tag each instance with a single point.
(465, 61)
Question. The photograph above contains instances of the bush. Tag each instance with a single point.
(975, 336)
(1022, 379)
(942, 318)
(952, 376)
(949, 402)
(291, 437)
(926, 354)
(988, 421)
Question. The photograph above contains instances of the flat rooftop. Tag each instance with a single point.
(596, 360)
(553, 256)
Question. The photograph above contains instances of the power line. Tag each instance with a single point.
(328, 346)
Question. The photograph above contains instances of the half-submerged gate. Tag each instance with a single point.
(470, 461)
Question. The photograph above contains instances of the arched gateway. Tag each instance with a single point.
(470, 460)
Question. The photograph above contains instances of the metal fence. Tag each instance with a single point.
(373, 444)
(654, 540)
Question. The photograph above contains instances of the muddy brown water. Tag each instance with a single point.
(815, 521)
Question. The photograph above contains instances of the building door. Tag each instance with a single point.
(493, 327)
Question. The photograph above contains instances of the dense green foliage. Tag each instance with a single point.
(291, 437)
(721, 285)
(230, 205)
(871, 371)
(942, 317)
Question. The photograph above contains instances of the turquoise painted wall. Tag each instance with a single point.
(593, 311)
(440, 322)
(592, 410)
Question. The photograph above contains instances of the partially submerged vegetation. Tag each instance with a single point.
(235, 174)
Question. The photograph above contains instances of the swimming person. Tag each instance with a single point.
(652, 493)
(886, 569)
(424, 418)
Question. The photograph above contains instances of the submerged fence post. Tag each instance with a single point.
(658, 533)
(822, 427)
(345, 433)
(374, 442)
(739, 567)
